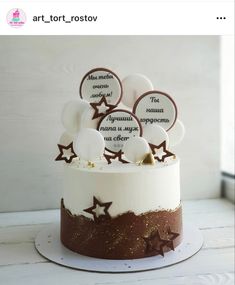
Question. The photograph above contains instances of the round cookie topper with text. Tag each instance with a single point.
(155, 107)
(117, 127)
(99, 83)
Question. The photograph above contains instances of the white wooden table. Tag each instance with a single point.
(214, 264)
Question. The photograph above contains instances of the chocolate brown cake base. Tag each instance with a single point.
(126, 236)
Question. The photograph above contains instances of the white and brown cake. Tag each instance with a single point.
(121, 197)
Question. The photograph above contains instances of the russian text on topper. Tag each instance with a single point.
(99, 83)
(155, 107)
(117, 127)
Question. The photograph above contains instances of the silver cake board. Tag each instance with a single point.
(49, 245)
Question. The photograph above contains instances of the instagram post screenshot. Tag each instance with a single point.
(117, 142)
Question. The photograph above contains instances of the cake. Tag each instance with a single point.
(121, 193)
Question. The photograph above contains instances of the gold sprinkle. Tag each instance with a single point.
(90, 164)
(149, 159)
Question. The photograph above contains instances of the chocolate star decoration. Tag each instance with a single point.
(101, 108)
(64, 154)
(155, 244)
(101, 206)
(171, 236)
(117, 155)
(155, 148)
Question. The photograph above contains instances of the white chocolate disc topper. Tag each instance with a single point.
(66, 139)
(135, 149)
(117, 127)
(89, 144)
(71, 115)
(87, 120)
(155, 134)
(133, 87)
(101, 82)
(155, 107)
(176, 134)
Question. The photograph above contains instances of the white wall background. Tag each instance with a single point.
(227, 104)
(39, 74)
(227, 116)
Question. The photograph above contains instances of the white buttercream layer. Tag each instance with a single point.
(129, 187)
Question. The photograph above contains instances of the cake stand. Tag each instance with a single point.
(49, 245)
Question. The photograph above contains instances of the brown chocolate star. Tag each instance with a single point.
(117, 155)
(171, 236)
(94, 211)
(155, 244)
(101, 108)
(154, 149)
(67, 157)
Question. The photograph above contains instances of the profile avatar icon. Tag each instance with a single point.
(16, 16)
